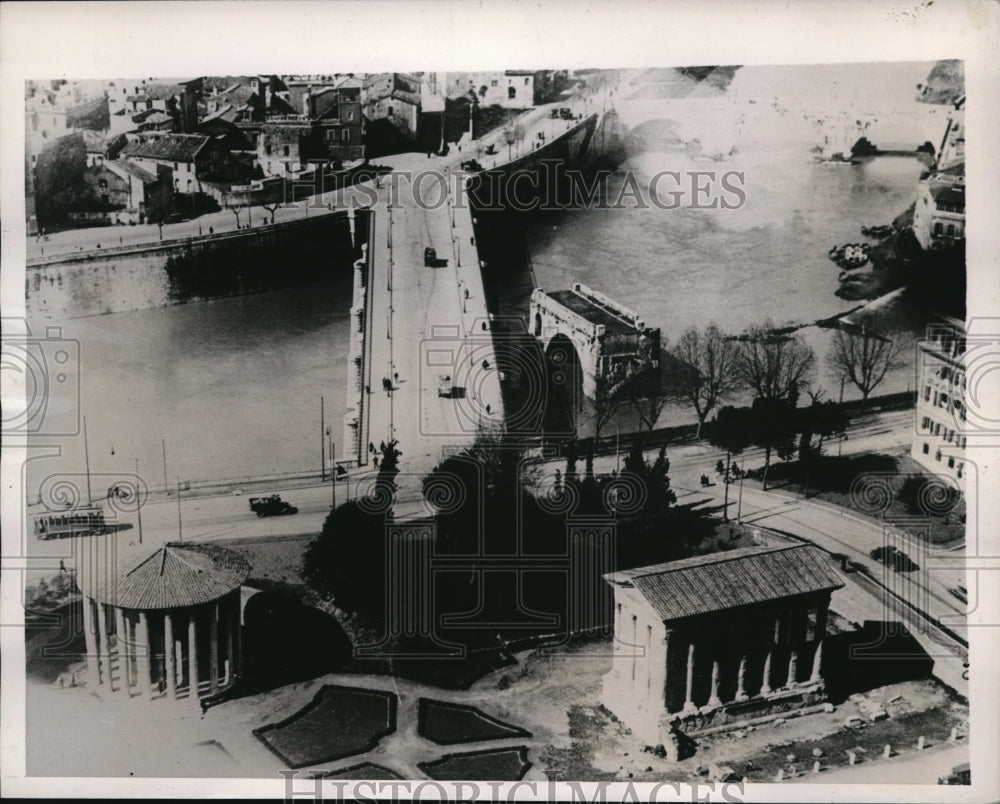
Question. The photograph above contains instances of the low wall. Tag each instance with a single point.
(191, 269)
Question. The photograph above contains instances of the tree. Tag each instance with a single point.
(864, 359)
(774, 363)
(773, 427)
(649, 397)
(605, 403)
(710, 370)
(347, 559)
(732, 430)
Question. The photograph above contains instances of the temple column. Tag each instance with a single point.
(817, 661)
(122, 646)
(193, 655)
(225, 611)
(713, 699)
(793, 667)
(237, 634)
(741, 677)
(103, 648)
(213, 647)
(765, 687)
(689, 689)
(93, 669)
(169, 658)
(143, 678)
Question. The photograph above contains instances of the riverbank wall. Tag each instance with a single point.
(124, 279)
(358, 385)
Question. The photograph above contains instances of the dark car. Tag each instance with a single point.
(895, 558)
(271, 506)
(960, 774)
(175, 217)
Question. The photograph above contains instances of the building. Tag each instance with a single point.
(716, 638)
(127, 193)
(326, 126)
(511, 89)
(952, 149)
(939, 215)
(193, 158)
(168, 626)
(173, 105)
(939, 441)
(394, 97)
(101, 148)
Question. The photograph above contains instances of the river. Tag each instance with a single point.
(234, 385)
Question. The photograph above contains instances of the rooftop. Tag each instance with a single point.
(170, 147)
(728, 580)
(179, 574)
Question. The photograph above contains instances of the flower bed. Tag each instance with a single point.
(451, 723)
(338, 722)
(502, 765)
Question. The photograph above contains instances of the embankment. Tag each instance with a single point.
(171, 272)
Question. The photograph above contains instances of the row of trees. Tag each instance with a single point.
(772, 364)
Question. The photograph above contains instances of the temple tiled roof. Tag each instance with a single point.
(178, 574)
(727, 580)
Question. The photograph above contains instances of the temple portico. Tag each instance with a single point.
(735, 634)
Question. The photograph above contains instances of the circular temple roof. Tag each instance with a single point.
(179, 574)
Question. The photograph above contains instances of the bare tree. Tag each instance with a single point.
(774, 363)
(605, 403)
(864, 359)
(709, 369)
(649, 399)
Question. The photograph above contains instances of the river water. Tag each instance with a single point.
(234, 385)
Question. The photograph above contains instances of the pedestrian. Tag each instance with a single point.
(371, 447)
(486, 364)
(395, 376)
(211, 230)
(466, 293)
(487, 407)
(62, 566)
(375, 461)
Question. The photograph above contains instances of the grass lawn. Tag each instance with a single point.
(503, 765)
(895, 490)
(450, 723)
(338, 722)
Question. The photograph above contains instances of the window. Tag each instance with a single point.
(345, 135)
(937, 428)
(267, 150)
(951, 230)
(511, 93)
(958, 472)
(390, 112)
(938, 227)
(951, 463)
(944, 400)
(526, 82)
(350, 113)
(285, 151)
(493, 83)
(102, 183)
(927, 448)
(937, 456)
(927, 394)
(176, 166)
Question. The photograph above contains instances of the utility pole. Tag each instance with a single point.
(322, 437)
(166, 483)
(333, 471)
(86, 459)
(180, 526)
(138, 502)
(618, 435)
